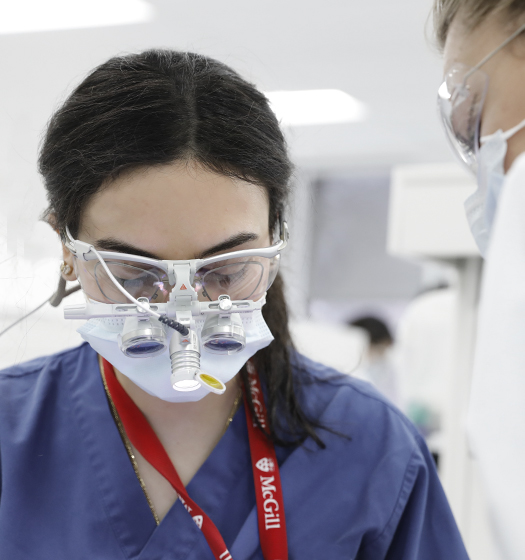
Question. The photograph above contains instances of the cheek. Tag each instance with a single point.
(504, 104)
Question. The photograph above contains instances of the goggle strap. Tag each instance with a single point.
(511, 132)
(495, 51)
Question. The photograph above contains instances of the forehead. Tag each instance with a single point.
(176, 211)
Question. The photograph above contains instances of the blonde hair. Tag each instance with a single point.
(473, 13)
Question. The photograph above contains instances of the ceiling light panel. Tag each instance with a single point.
(29, 16)
(316, 106)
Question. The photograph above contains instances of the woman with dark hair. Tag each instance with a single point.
(167, 179)
(483, 108)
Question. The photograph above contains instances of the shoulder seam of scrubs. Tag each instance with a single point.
(407, 481)
(319, 380)
(37, 368)
(392, 408)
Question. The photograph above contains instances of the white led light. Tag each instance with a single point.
(186, 385)
(28, 16)
(315, 106)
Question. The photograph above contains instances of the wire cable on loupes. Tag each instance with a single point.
(55, 300)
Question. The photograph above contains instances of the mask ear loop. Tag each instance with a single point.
(505, 135)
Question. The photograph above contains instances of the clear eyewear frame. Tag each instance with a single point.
(246, 274)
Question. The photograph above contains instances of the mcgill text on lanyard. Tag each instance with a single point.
(270, 507)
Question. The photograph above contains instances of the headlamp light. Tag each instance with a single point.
(185, 365)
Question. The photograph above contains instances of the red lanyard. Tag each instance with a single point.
(270, 507)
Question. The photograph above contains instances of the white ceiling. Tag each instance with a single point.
(375, 50)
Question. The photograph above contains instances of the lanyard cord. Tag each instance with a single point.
(270, 507)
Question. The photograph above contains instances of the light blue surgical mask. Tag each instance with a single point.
(481, 206)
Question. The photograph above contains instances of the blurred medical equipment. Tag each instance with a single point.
(427, 222)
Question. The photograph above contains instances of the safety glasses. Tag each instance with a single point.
(241, 275)
(460, 101)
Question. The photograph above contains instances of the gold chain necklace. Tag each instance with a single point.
(127, 443)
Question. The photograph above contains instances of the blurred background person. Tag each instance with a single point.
(376, 365)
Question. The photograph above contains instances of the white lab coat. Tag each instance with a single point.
(497, 410)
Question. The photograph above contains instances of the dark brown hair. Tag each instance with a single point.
(473, 13)
(159, 107)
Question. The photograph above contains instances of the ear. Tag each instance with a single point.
(67, 268)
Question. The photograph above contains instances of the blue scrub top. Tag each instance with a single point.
(69, 491)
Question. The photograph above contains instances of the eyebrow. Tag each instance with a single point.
(230, 243)
(112, 244)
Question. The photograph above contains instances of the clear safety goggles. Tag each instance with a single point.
(460, 101)
(241, 275)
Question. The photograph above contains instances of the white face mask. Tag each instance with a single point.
(481, 206)
(153, 374)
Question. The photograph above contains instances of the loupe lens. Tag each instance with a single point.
(223, 334)
(144, 348)
(225, 345)
(142, 338)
